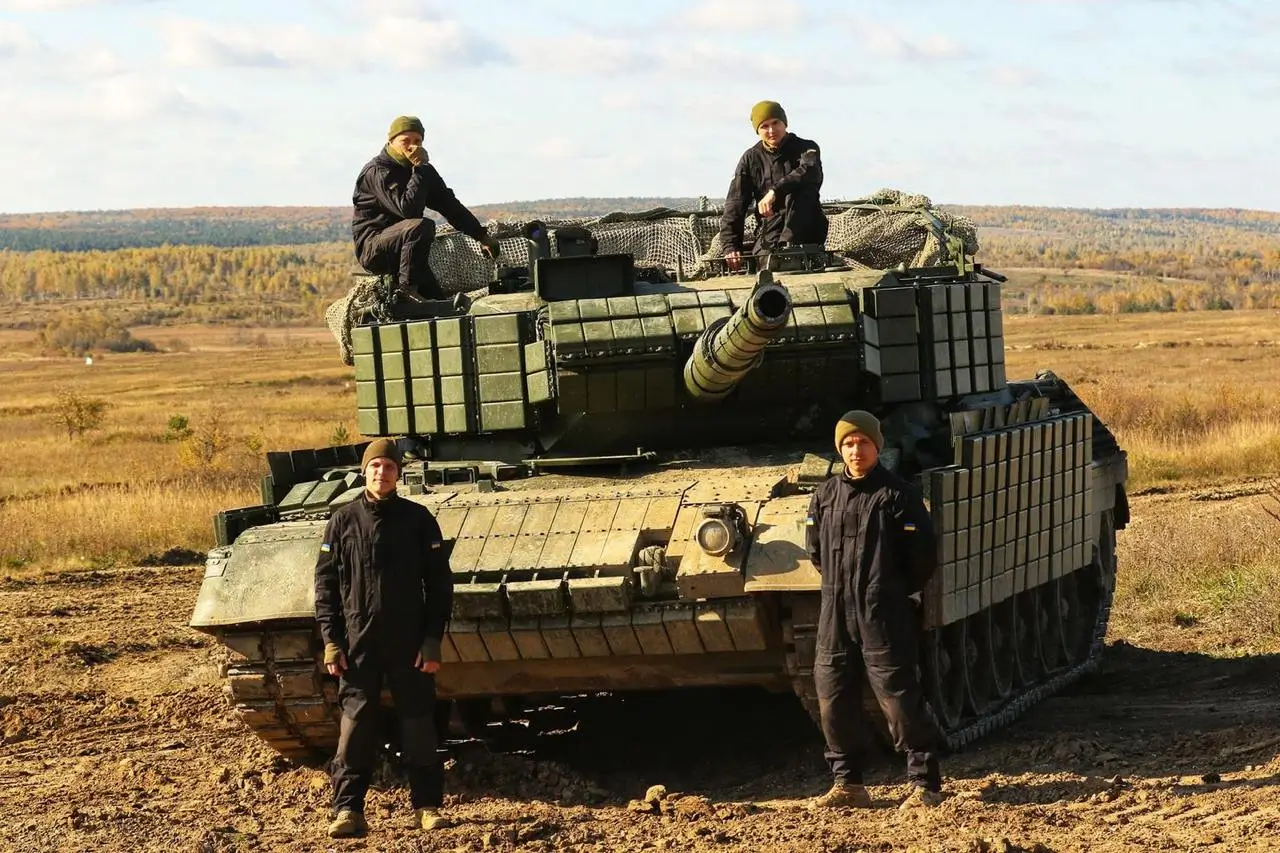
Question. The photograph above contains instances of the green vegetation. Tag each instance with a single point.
(76, 413)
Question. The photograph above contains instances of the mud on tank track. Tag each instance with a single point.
(117, 737)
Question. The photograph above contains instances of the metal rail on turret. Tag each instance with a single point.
(728, 349)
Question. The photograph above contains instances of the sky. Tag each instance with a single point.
(111, 104)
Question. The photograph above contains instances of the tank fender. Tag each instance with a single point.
(778, 560)
(269, 573)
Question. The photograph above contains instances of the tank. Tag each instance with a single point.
(621, 456)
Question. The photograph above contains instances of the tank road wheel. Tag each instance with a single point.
(1003, 626)
(1075, 624)
(1048, 626)
(1104, 554)
(943, 661)
(1026, 645)
(979, 672)
(1092, 592)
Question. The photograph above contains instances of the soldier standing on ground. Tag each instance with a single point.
(780, 175)
(383, 595)
(392, 193)
(870, 536)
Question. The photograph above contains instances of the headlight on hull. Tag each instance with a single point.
(716, 536)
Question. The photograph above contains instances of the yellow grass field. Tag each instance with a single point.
(1193, 397)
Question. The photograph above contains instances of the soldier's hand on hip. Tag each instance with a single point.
(765, 207)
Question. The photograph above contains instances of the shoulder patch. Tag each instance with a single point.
(808, 522)
(435, 545)
(325, 548)
(908, 527)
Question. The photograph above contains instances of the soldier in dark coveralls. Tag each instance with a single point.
(780, 176)
(871, 538)
(383, 595)
(392, 193)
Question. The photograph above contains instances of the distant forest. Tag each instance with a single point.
(213, 264)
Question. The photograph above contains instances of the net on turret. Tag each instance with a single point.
(884, 230)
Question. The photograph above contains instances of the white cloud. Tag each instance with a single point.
(436, 43)
(1016, 76)
(16, 40)
(762, 15)
(579, 54)
(202, 44)
(99, 61)
(422, 43)
(692, 61)
(119, 100)
(557, 148)
(893, 44)
(411, 8)
(54, 5)
(134, 97)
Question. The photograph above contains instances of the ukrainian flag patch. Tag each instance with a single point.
(325, 549)
(908, 528)
(435, 545)
(808, 522)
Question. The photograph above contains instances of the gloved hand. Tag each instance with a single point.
(418, 156)
(491, 246)
(335, 661)
(428, 659)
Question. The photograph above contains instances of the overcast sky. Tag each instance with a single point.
(1110, 103)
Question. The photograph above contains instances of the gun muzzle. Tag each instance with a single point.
(728, 349)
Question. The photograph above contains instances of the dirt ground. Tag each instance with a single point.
(116, 736)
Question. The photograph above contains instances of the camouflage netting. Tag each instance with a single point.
(880, 232)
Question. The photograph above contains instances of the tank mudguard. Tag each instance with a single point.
(778, 561)
(268, 574)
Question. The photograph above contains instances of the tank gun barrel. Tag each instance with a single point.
(728, 349)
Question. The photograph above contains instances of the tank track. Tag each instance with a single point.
(274, 683)
(1021, 702)
(800, 630)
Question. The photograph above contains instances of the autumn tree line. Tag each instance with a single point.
(287, 264)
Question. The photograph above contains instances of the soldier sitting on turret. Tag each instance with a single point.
(393, 191)
(781, 175)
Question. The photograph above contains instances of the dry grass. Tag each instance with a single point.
(123, 492)
(115, 525)
(1195, 401)
(1192, 397)
(1201, 575)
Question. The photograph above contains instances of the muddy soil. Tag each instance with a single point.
(116, 736)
